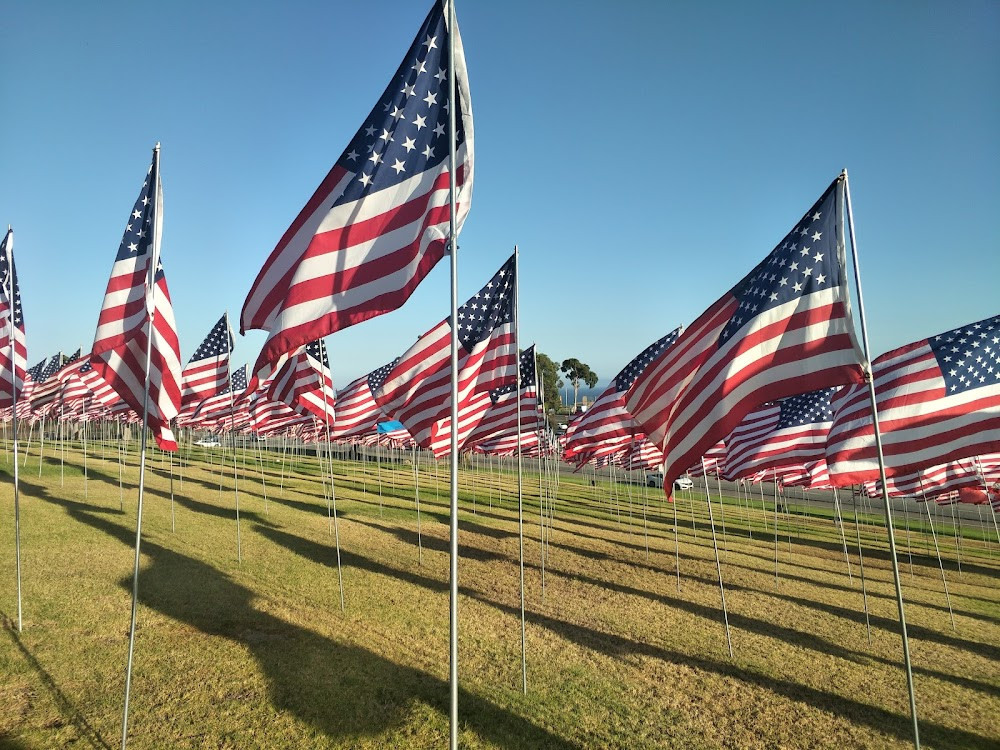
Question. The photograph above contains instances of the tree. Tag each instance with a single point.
(548, 373)
(576, 371)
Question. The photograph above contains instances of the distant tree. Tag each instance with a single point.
(548, 373)
(575, 371)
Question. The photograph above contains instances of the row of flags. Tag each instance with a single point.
(755, 370)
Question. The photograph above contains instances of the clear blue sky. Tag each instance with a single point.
(643, 155)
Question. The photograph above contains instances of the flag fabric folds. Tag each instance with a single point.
(499, 424)
(137, 290)
(304, 383)
(356, 412)
(207, 372)
(938, 400)
(784, 329)
(607, 427)
(417, 391)
(13, 364)
(379, 221)
(780, 434)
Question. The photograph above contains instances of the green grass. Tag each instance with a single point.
(258, 654)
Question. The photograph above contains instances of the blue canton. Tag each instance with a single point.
(490, 308)
(51, 368)
(8, 278)
(527, 370)
(377, 377)
(808, 408)
(969, 357)
(405, 134)
(624, 379)
(317, 350)
(806, 261)
(239, 379)
(36, 371)
(218, 342)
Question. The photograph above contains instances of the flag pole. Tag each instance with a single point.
(453, 456)
(232, 431)
(333, 493)
(718, 564)
(9, 291)
(881, 468)
(150, 313)
(520, 450)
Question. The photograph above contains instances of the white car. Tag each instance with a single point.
(655, 479)
(207, 443)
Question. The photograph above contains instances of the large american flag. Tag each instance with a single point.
(356, 412)
(305, 384)
(207, 372)
(137, 286)
(776, 435)
(607, 427)
(417, 391)
(13, 364)
(938, 400)
(379, 221)
(783, 330)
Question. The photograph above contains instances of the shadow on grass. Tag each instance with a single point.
(342, 690)
(65, 705)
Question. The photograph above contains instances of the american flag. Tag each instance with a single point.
(305, 384)
(221, 404)
(417, 391)
(938, 400)
(379, 221)
(607, 426)
(785, 433)
(137, 286)
(783, 330)
(207, 372)
(356, 412)
(12, 368)
(499, 423)
(953, 475)
(641, 454)
(50, 389)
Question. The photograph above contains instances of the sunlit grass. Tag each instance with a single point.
(257, 653)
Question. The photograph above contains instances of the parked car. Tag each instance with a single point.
(655, 479)
(207, 443)
(683, 483)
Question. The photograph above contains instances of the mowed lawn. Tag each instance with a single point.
(620, 654)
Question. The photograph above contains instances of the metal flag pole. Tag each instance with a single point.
(881, 467)
(150, 315)
(718, 563)
(329, 452)
(9, 291)
(453, 456)
(236, 481)
(540, 425)
(937, 550)
(839, 522)
(520, 450)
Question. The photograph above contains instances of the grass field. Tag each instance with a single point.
(620, 653)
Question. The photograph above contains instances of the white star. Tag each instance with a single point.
(774, 297)
(375, 158)
(439, 129)
(430, 43)
(793, 267)
(441, 75)
(820, 279)
(807, 272)
(386, 136)
(816, 216)
(352, 155)
(419, 66)
(365, 179)
(136, 215)
(409, 145)
(804, 251)
(407, 90)
(429, 152)
(420, 122)
(132, 247)
(817, 236)
(398, 166)
(431, 99)
(797, 287)
(370, 131)
(818, 257)
(397, 113)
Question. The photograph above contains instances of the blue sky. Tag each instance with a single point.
(643, 155)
